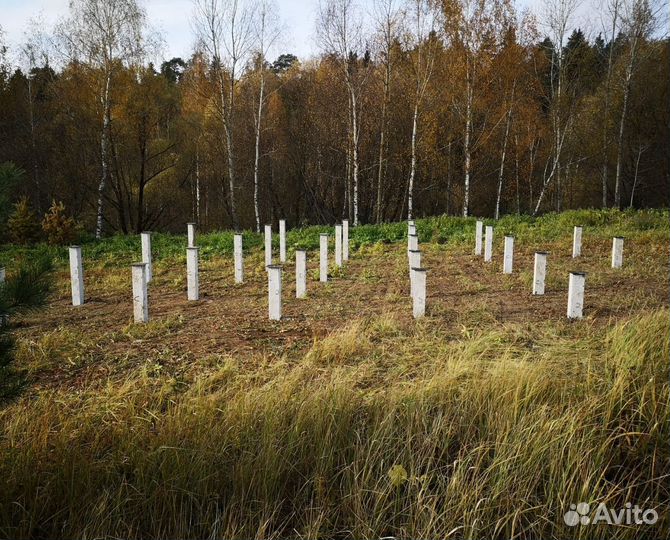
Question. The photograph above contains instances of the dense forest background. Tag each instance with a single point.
(420, 107)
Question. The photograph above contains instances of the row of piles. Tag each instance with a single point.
(142, 272)
(576, 280)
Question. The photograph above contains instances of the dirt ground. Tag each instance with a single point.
(231, 320)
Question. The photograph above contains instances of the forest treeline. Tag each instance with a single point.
(412, 108)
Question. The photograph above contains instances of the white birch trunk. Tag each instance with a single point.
(622, 123)
(502, 163)
(466, 146)
(104, 155)
(608, 92)
(257, 155)
(197, 187)
(382, 137)
(412, 171)
(355, 138)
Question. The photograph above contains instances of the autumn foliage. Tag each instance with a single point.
(58, 227)
(23, 225)
(457, 107)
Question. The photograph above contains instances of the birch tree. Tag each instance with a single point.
(558, 17)
(509, 106)
(194, 106)
(105, 35)
(340, 32)
(225, 31)
(472, 27)
(266, 32)
(422, 45)
(388, 23)
(514, 87)
(613, 10)
(638, 24)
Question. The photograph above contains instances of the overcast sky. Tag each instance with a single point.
(172, 19)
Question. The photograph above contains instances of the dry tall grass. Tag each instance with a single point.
(379, 430)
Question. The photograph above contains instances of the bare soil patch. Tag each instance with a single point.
(231, 320)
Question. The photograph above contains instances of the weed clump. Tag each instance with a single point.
(25, 289)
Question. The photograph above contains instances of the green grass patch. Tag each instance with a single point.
(124, 250)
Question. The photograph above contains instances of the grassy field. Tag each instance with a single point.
(347, 419)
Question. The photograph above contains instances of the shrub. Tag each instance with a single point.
(23, 226)
(59, 228)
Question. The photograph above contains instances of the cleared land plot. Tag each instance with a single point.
(232, 319)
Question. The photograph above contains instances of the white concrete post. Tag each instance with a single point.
(414, 262)
(140, 296)
(300, 273)
(76, 276)
(617, 252)
(146, 254)
(282, 240)
(338, 245)
(274, 291)
(412, 245)
(577, 242)
(411, 229)
(268, 245)
(192, 280)
(539, 272)
(413, 242)
(345, 240)
(488, 244)
(479, 229)
(419, 297)
(238, 255)
(2, 274)
(190, 232)
(323, 258)
(576, 295)
(508, 258)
